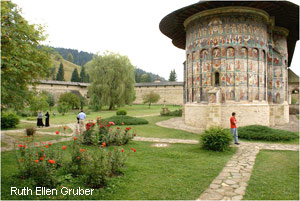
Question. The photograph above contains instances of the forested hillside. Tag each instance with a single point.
(81, 58)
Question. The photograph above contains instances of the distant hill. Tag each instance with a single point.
(81, 58)
(68, 67)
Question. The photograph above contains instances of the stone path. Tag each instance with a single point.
(178, 123)
(148, 115)
(171, 141)
(231, 183)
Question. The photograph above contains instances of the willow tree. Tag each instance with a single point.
(23, 59)
(112, 81)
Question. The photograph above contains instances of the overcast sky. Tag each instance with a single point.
(128, 27)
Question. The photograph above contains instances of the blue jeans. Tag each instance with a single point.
(235, 133)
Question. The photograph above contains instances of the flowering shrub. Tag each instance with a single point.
(102, 165)
(103, 132)
(46, 165)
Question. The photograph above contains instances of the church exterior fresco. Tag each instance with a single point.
(239, 53)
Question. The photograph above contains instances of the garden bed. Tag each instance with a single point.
(150, 173)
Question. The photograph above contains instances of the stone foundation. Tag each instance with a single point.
(207, 115)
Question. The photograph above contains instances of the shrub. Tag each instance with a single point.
(216, 139)
(62, 107)
(121, 112)
(72, 100)
(31, 118)
(102, 132)
(24, 113)
(258, 132)
(30, 131)
(166, 112)
(9, 120)
(126, 120)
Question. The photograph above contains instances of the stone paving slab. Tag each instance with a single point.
(178, 123)
(151, 139)
(232, 181)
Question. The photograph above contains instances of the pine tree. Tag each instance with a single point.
(60, 74)
(83, 75)
(75, 77)
(173, 76)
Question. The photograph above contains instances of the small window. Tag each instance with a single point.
(217, 79)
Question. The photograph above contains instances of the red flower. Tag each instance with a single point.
(42, 150)
(75, 138)
(122, 150)
(118, 128)
(93, 124)
(57, 132)
(21, 160)
(134, 150)
(77, 157)
(134, 134)
(112, 123)
(20, 145)
(44, 155)
(101, 126)
(104, 144)
(64, 147)
(46, 146)
(82, 150)
(65, 127)
(24, 146)
(51, 161)
(41, 158)
(50, 143)
(36, 161)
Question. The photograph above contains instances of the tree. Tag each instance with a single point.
(75, 77)
(83, 75)
(23, 59)
(38, 102)
(61, 73)
(146, 78)
(71, 99)
(57, 56)
(70, 57)
(112, 81)
(173, 76)
(63, 107)
(50, 98)
(151, 97)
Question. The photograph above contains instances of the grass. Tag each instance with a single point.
(60, 129)
(176, 172)
(134, 110)
(275, 176)
(22, 125)
(152, 130)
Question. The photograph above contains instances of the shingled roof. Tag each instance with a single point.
(286, 15)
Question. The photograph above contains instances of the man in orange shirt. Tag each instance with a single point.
(233, 127)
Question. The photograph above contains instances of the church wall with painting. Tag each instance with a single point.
(236, 61)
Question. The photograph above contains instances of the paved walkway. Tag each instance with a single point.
(178, 123)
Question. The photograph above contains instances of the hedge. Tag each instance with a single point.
(126, 120)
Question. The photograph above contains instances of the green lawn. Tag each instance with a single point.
(134, 110)
(60, 129)
(275, 176)
(176, 172)
(22, 125)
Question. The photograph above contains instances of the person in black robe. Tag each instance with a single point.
(47, 118)
(40, 119)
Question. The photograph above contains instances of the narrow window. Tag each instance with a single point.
(217, 79)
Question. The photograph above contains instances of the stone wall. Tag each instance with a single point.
(246, 114)
(171, 92)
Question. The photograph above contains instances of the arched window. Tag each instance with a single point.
(217, 79)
